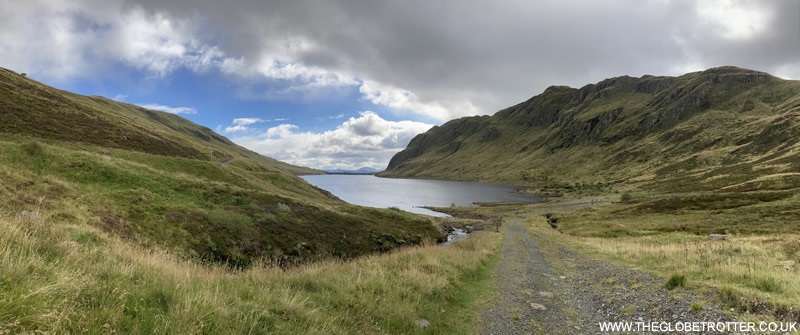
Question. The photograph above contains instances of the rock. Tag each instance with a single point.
(562, 277)
(538, 307)
(422, 323)
(548, 295)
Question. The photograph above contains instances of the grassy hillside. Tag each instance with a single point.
(667, 161)
(33, 109)
(65, 278)
(723, 128)
(155, 179)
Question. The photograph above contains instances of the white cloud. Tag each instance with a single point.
(366, 140)
(404, 100)
(61, 40)
(241, 124)
(171, 110)
(40, 45)
(735, 19)
(246, 121)
(297, 78)
(159, 44)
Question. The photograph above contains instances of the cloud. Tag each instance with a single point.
(367, 140)
(240, 124)
(403, 100)
(439, 60)
(60, 40)
(171, 110)
(454, 58)
(158, 43)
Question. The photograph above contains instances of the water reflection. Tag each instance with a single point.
(408, 194)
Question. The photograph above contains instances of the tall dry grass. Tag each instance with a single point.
(71, 278)
(754, 268)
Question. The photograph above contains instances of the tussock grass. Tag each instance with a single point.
(754, 267)
(747, 270)
(675, 281)
(59, 278)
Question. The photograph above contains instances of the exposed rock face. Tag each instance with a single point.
(616, 128)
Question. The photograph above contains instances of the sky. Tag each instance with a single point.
(337, 84)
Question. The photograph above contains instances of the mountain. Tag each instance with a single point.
(158, 179)
(363, 170)
(723, 127)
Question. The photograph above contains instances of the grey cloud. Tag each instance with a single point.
(494, 54)
(454, 54)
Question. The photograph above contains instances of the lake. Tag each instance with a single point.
(408, 194)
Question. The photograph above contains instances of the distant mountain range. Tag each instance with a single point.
(363, 170)
(723, 127)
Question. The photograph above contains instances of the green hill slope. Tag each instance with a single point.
(33, 109)
(156, 178)
(721, 128)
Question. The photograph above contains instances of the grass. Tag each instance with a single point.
(675, 281)
(67, 278)
(158, 237)
(33, 109)
(116, 219)
(232, 213)
(702, 131)
(754, 270)
(747, 270)
(157, 179)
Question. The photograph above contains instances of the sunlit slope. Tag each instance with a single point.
(34, 109)
(704, 130)
(156, 179)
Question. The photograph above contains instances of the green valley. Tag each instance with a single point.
(127, 220)
(157, 179)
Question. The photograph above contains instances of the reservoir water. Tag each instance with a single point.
(408, 194)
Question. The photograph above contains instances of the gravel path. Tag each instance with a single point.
(547, 288)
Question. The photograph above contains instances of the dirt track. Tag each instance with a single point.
(546, 288)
